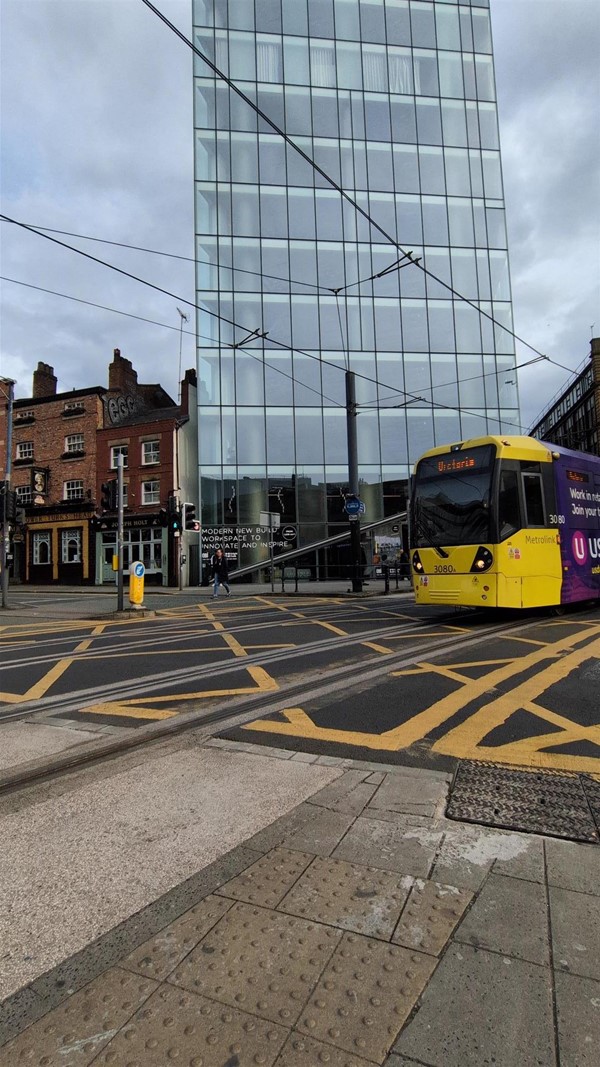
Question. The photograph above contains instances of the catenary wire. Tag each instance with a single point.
(330, 181)
(222, 318)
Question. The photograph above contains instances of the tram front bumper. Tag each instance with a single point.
(465, 590)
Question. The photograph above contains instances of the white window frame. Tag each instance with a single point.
(66, 537)
(25, 450)
(150, 453)
(73, 489)
(24, 495)
(151, 492)
(117, 450)
(74, 442)
(39, 538)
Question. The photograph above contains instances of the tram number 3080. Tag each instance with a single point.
(444, 568)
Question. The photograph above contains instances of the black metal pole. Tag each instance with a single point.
(353, 480)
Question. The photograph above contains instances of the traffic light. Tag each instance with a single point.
(8, 504)
(20, 516)
(163, 518)
(108, 500)
(175, 522)
(190, 521)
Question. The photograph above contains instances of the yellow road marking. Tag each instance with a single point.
(378, 648)
(441, 711)
(129, 712)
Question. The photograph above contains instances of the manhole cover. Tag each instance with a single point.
(535, 802)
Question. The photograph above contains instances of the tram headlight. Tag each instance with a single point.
(416, 562)
(483, 560)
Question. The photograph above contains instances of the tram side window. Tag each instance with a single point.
(509, 518)
(534, 499)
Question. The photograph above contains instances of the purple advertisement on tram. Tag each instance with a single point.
(577, 481)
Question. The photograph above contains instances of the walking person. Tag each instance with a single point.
(220, 573)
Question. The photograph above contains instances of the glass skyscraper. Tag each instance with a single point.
(395, 100)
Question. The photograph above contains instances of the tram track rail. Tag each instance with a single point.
(223, 714)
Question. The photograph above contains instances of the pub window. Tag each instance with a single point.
(42, 552)
(71, 546)
(151, 492)
(25, 450)
(74, 442)
(116, 450)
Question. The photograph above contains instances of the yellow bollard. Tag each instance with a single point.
(136, 584)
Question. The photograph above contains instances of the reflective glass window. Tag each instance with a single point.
(242, 57)
(404, 126)
(441, 326)
(460, 213)
(322, 63)
(367, 432)
(406, 169)
(251, 433)
(278, 379)
(348, 65)
(307, 380)
(311, 494)
(431, 166)
(466, 29)
(295, 16)
(446, 426)
(464, 272)
(484, 73)
(415, 335)
(276, 318)
(422, 24)
(245, 219)
(379, 167)
(240, 14)
(347, 25)
(409, 222)
(482, 38)
(242, 116)
(372, 22)
(268, 59)
(268, 16)
(271, 160)
(280, 435)
(454, 122)
(397, 21)
(209, 435)
(329, 215)
(309, 434)
(435, 220)
(375, 75)
(447, 27)
(320, 18)
(305, 322)
(468, 329)
(468, 65)
(244, 158)
(273, 207)
(429, 123)
(336, 440)
(451, 81)
(296, 65)
(458, 175)
(400, 71)
(488, 125)
(499, 275)
(377, 117)
(492, 177)
(249, 377)
(426, 73)
(496, 227)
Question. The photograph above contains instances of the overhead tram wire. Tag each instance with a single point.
(230, 322)
(331, 181)
(260, 274)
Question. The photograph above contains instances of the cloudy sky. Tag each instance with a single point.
(96, 114)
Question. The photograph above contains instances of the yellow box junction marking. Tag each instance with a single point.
(464, 741)
(41, 687)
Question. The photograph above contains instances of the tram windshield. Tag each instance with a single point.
(451, 498)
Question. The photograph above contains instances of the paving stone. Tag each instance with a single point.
(322, 833)
(74, 1033)
(509, 916)
(575, 925)
(401, 1061)
(364, 996)
(268, 880)
(573, 866)
(274, 835)
(334, 792)
(407, 849)
(350, 896)
(352, 802)
(482, 1008)
(419, 795)
(431, 914)
(157, 957)
(466, 856)
(528, 863)
(260, 961)
(178, 1027)
(301, 1051)
(578, 1010)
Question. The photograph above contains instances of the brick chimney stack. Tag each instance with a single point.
(44, 381)
(121, 375)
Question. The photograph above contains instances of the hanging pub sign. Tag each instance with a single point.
(39, 483)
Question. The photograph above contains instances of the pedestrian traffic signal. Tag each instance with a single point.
(108, 499)
(175, 522)
(190, 521)
(163, 518)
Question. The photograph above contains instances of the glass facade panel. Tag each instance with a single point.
(395, 101)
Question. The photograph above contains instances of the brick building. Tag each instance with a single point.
(65, 446)
(573, 417)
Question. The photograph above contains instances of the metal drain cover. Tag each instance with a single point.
(535, 802)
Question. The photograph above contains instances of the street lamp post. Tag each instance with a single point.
(5, 547)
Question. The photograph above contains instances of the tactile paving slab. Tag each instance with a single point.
(259, 961)
(268, 880)
(301, 1051)
(362, 899)
(537, 802)
(157, 957)
(183, 1029)
(431, 914)
(365, 995)
(74, 1033)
